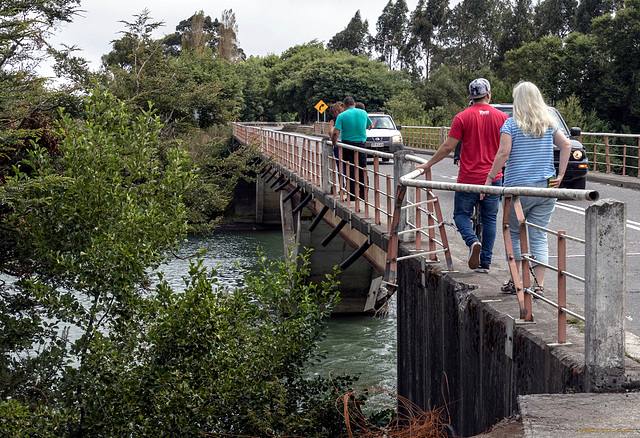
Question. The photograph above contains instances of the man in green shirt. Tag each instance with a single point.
(352, 125)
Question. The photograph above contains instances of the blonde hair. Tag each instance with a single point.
(531, 114)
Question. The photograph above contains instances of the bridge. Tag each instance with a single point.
(461, 342)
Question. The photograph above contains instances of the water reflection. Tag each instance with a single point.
(363, 345)
(229, 253)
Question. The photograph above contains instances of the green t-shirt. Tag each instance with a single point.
(352, 124)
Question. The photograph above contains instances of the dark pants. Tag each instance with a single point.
(349, 157)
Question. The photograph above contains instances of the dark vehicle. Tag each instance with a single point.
(575, 177)
(384, 135)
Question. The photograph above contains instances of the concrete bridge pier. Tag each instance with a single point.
(258, 203)
(354, 280)
(325, 255)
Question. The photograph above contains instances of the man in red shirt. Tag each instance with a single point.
(478, 127)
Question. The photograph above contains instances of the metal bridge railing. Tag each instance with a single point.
(414, 204)
(607, 152)
(424, 137)
(612, 153)
(312, 160)
(604, 278)
(511, 195)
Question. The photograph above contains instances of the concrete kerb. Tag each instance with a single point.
(628, 182)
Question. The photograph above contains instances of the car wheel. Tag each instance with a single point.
(579, 184)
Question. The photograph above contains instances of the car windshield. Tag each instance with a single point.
(381, 122)
(563, 128)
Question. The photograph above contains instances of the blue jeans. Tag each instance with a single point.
(537, 211)
(463, 206)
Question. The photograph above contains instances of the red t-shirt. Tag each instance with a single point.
(479, 129)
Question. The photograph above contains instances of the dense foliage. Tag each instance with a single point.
(90, 347)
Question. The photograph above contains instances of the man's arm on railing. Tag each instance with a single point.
(443, 151)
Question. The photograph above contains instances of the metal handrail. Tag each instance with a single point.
(317, 156)
(409, 180)
(302, 154)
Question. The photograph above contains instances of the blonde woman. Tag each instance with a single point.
(526, 146)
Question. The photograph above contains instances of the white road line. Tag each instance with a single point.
(575, 209)
(571, 256)
(569, 207)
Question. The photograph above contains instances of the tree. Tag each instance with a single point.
(228, 47)
(255, 103)
(144, 358)
(196, 31)
(187, 91)
(406, 109)
(525, 64)
(447, 89)
(517, 28)
(425, 24)
(354, 38)
(28, 109)
(82, 247)
(590, 9)
(26, 25)
(313, 74)
(392, 35)
(471, 34)
(619, 84)
(214, 360)
(583, 69)
(282, 72)
(555, 17)
(196, 38)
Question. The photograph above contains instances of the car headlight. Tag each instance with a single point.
(396, 139)
(577, 155)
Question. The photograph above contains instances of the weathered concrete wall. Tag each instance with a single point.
(452, 352)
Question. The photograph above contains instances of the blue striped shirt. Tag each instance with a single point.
(531, 159)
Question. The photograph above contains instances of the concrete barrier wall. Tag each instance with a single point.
(453, 351)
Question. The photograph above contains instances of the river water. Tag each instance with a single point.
(362, 345)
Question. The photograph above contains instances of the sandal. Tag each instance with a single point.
(508, 287)
(539, 290)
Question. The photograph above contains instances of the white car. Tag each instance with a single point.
(384, 135)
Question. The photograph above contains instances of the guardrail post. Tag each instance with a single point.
(402, 166)
(327, 162)
(605, 290)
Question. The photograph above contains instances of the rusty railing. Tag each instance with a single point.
(524, 290)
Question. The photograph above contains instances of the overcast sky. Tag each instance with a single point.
(264, 26)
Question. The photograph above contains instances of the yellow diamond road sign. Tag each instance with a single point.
(321, 107)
